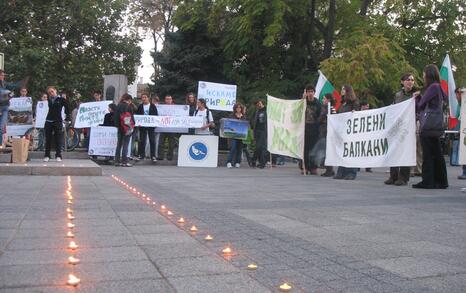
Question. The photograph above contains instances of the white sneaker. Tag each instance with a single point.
(229, 165)
(46, 159)
(58, 159)
(237, 165)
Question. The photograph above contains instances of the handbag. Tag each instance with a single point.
(431, 120)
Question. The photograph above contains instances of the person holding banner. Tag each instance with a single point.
(203, 111)
(236, 149)
(260, 135)
(430, 107)
(146, 108)
(124, 121)
(170, 137)
(328, 99)
(350, 104)
(191, 101)
(400, 175)
(311, 129)
(54, 123)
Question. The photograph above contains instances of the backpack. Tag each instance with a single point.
(126, 123)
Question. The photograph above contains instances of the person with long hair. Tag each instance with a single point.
(350, 104)
(236, 149)
(400, 175)
(434, 170)
(124, 121)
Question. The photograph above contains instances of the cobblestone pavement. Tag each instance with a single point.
(317, 234)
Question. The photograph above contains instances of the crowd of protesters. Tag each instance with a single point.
(430, 165)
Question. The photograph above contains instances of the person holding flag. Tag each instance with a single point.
(447, 81)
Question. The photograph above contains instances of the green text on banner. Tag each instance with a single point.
(285, 127)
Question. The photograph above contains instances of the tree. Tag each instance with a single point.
(69, 44)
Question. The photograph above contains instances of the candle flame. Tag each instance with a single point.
(70, 216)
(72, 245)
(73, 280)
(208, 237)
(69, 234)
(163, 207)
(170, 213)
(285, 287)
(181, 220)
(70, 225)
(69, 210)
(227, 250)
(72, 260)
(252, 266)
(193, 229)
(70, 201)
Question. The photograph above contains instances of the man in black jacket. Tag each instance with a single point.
(260, 134)
(54, 123)
(146, 108)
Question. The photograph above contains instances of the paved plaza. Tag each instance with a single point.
(317, 234)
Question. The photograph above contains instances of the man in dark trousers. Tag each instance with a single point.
(146, 108)
(260, 135)
(54, 123)
(124, 120)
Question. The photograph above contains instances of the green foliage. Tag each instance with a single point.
(276, 46)
(69, 44)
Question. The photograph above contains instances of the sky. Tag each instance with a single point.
(145, 70)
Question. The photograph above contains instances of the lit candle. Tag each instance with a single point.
(148, 198)
(139, 193)
(72, 280)
(72, 245)
(252, 266)
(69, 234)
(208, 237)
(70, 201)
(134, 188)
(70, 225)
(70, 216)
(170, 213)
(181, 220)
(72, 260)
(285, 287)
(144, 195)
(227, 250)
(163, 207)
(193, 228)
(68, 210)
(153, 203)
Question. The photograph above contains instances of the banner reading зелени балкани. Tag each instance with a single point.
(285, 127)
(218, 96)
(384, 137)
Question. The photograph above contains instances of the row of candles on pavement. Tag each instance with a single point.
(72, 246)
(164, 210)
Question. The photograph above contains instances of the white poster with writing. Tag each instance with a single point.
(172, 110)
(19, 116)
(168, 121)
(218, 96)
(91, 114)
(285, 127)
(384, 137)
(103, 141)
(462, 142)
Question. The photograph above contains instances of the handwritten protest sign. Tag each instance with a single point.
(103, 141)
(172, 110)
(19, 116)
(168, 121)
(218, 96)
(91, 114)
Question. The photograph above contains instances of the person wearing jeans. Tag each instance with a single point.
(146, 108)
(124, 135)
(236, 150)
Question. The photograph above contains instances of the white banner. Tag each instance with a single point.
(91, 114)
(103, 141)
(168, 121)
(384, 137)
(19, 116)
(285, 126)
(172, 110)
(42, 109)
(462, 142)
(218, 96)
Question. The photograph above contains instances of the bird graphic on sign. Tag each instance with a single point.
(196, 151)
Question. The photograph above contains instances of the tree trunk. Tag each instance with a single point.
(364, 6)
(328, 43)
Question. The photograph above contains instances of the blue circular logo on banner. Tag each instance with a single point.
(198, 151)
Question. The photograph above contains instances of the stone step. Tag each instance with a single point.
(68, 167)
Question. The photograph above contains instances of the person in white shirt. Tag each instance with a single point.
(202, 111)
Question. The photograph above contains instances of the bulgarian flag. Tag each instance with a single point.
(448, 85)
(324, 87)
